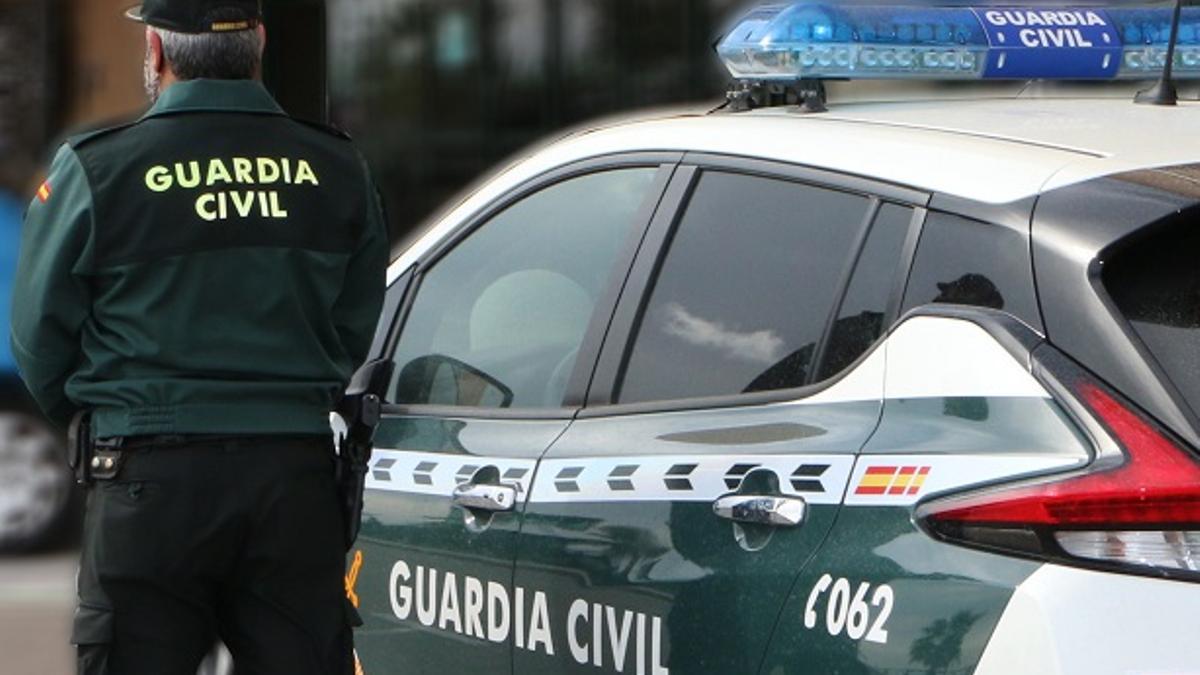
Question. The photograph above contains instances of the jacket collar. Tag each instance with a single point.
(215, 96)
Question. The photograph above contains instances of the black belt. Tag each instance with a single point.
(101, 459)
(175, 440)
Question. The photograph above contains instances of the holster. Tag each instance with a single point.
(91, 460)
(79, 446)
(354, 456)
(360, 410)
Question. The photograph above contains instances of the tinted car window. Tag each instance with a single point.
(745, 290)
(862, 315)
(498, 321)
(968, 262)
(1156, 285)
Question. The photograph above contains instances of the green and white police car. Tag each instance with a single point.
(898, 387)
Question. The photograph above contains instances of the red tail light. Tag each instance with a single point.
(1141, 515)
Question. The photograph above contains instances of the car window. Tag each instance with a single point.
(968, 262)
(745, 291)
(1156, 286)
(391, 305)
(861, 319)
(498, 321)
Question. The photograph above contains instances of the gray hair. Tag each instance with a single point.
(235, 55)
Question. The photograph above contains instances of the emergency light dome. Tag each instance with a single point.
(807, 40)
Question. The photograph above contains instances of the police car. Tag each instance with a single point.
(801, 386)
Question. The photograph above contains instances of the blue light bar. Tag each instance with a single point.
(823, 41)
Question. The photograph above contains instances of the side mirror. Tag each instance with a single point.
(443, 380)
(373, 378)
(358, 412)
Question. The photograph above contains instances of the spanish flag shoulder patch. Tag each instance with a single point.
(44, 192)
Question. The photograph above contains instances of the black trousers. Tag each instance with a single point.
(233, 539)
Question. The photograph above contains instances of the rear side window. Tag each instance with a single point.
(745, 291)
(863, 312)
(968, 262)
(1156, 285)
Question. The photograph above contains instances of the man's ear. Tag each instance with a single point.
(262, 38)
(154, 50)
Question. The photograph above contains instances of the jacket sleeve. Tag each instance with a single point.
(361, 301)
(52, 296)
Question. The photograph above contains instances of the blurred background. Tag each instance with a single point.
(435, 92)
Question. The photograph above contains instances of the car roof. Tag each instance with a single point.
(989, 149)
(1107, 135)
(992, 150)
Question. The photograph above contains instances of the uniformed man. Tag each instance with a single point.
(203, 281)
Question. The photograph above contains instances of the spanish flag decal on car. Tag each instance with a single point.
(892, 480)
(44, 192)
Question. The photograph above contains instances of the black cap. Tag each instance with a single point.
(198, 16)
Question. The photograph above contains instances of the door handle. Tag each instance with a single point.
(762, 510)
(482, 497)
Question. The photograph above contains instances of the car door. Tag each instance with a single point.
(961, 408)
(666, 527)
(505, 317)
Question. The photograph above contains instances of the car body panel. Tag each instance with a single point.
(1082, 124)
(1067, 621)
(944, 601)
(621, 517)
(1074, 229)
(414, 536)
(659, 549)
(962, 410)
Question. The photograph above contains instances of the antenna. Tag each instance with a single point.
(1164, 92)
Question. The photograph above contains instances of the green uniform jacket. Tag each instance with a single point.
(214, 267)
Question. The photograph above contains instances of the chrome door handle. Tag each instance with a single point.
(761, 510)
(481, 497)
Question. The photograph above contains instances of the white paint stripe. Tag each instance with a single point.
(438, 474)
(819, 479)
(864, 383)
(935, 357)
(694, 478)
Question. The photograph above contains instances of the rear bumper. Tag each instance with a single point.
(1065, 621)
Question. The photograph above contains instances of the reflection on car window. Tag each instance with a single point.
(860, 321)
(970, 289)
(498, 321)
(967, 262)
(746, 289)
